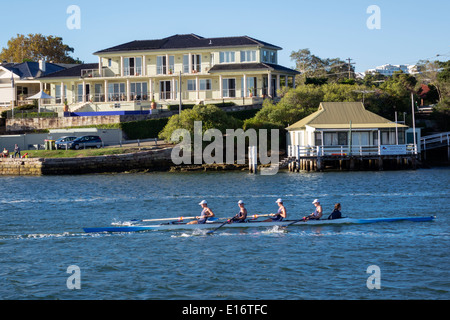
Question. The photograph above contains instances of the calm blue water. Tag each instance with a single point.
(42, 219)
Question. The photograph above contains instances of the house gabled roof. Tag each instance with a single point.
(186, 41)
(338, 115)
(30, 70)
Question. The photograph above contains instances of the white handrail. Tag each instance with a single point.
(343, 150)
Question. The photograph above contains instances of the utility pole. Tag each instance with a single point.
(350, 67)
(179, 89)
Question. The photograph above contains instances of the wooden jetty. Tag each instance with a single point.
(320, 158)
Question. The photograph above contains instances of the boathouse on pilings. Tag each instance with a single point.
(346, 136)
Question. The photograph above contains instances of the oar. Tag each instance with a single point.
(212, 231)
(228, 220)
(293, 222)
(165, 219)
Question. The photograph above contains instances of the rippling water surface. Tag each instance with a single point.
(42, 219)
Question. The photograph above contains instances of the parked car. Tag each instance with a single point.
(61, 143)
(86, 142)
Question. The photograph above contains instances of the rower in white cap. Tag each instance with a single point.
(317, 214)
(206, 213)
(280, 215)
(242, 214)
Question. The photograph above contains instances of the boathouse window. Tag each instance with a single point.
(360, 138)
(330, 138)
(318, 138)
(388, 137)
(342, 138)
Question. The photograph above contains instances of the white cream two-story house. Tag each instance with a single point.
(187, 68)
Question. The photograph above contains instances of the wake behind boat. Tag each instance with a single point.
(249, 224)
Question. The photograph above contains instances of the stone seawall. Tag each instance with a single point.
(139, 161)
(29, 124)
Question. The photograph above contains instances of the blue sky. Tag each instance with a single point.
(409, 30)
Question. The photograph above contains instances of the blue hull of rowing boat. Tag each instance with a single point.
(116, 229)
(415, 219)
(311, 222)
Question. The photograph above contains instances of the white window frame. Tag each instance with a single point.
(205, 84)
(191, 85)
(227, 56)
(226, 89)
(248, 56)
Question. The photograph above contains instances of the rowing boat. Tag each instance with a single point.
(215, 224)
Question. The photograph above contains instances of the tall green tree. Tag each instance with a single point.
(34, 47)
(315, 70)
(211, 116)
(303, 100)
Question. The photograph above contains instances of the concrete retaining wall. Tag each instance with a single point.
(29, 141)
(159, 159)
(23, 125)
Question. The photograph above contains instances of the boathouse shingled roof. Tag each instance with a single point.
(186, 41)
(337, 115)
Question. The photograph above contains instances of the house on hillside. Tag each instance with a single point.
(185, 67)
(19, 81)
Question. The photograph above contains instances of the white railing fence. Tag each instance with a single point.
(440, 139)
(321, 151)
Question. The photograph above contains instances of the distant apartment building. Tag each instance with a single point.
(186, 67)
(389, 69)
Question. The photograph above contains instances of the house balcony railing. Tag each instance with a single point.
(90, 73)
(298, 151)
(132, 71)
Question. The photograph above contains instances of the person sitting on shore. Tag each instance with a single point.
(280, 215)
(336, 214)
(242, 214)
(205, 214)
(317, 214)
(5, 153)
